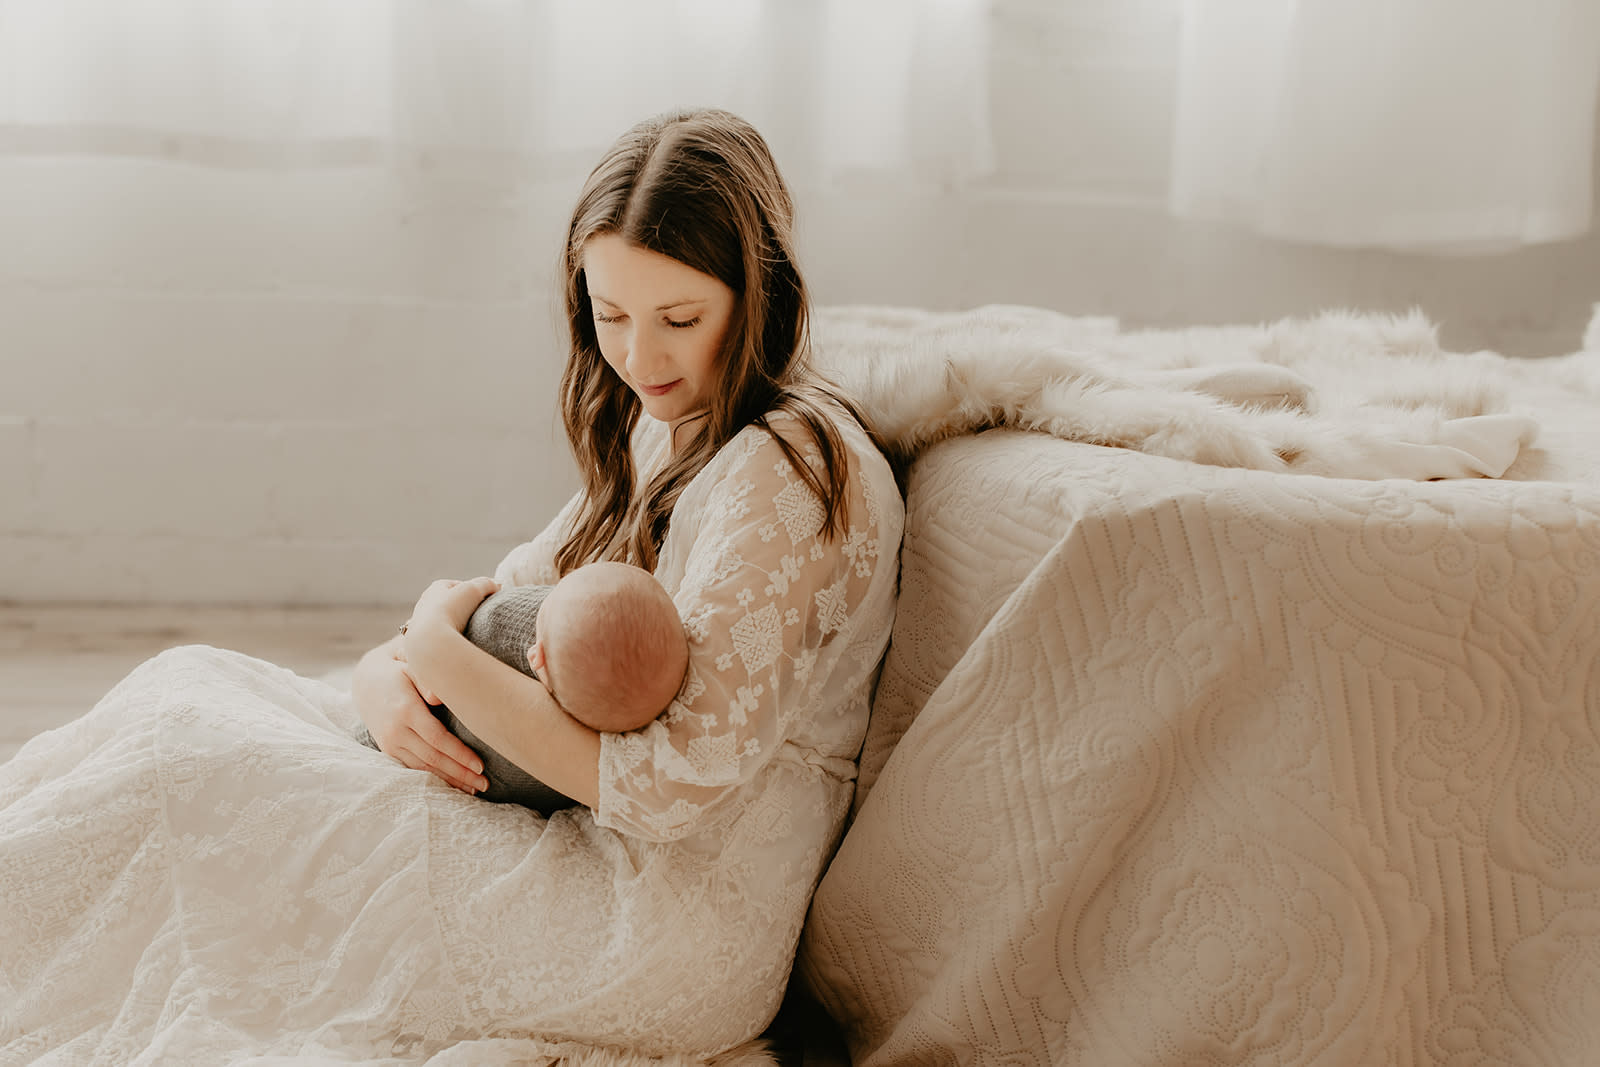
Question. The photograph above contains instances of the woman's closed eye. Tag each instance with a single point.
(610, 320)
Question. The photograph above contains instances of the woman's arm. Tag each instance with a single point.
(512, 713)
(769, 605)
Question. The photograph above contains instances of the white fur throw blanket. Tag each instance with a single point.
(1342, 395)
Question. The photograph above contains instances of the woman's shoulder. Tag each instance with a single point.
(756, 455)
(751, 503)
(766, 446)
(794, 429)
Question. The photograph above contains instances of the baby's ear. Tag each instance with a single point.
(536, 655)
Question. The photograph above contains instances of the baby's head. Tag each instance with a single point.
(610, 646)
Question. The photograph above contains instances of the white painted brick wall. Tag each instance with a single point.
(331, 387)
(222, 356)
(301, 387)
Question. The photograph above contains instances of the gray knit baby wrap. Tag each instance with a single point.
(503, 627)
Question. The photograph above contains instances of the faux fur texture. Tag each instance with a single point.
(1341, 395)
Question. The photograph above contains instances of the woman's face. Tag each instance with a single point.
(660, 324)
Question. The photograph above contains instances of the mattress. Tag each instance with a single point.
(1178, 764)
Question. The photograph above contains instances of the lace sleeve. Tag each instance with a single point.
(534, 563)
(769, 605)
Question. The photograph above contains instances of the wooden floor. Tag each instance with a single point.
(57, 660)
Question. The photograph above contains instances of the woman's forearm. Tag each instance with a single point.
(510, 711)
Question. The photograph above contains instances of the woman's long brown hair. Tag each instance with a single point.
(702, 188)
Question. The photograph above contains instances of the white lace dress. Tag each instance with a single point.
(207, 868)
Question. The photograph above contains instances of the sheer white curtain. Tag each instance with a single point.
(1410, 124)
(497, 86)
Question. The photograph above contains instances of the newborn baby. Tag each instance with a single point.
(606, 641)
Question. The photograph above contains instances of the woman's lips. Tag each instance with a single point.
(660, 390)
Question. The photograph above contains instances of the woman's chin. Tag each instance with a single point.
(660, 408)
(668, 409)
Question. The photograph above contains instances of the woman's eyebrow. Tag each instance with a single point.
(659, 307)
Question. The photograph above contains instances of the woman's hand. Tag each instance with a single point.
(451, 603)
(396, 713)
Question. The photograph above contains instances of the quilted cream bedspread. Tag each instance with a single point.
(1174, 764)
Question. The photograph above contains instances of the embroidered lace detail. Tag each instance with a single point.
(208, 867)
(758, 638)
(800, 512)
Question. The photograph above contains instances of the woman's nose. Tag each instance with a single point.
(643, 356)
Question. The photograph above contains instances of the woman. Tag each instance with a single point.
(207, 866)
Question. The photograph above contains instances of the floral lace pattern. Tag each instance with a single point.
(207, 865)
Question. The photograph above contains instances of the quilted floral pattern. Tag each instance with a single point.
(1182, 765)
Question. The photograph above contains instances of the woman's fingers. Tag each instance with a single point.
(405, 729)
(431, 759)
(450, 757)
(428, 746)
(414, 752)
(452, 601)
